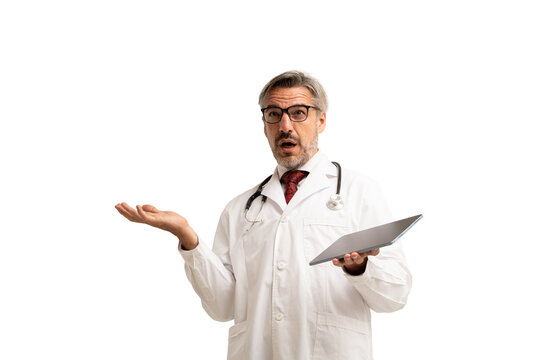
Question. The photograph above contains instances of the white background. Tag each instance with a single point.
(156, 102)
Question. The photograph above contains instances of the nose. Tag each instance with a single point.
(286, 124)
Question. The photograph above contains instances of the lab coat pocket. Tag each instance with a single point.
(341, 337)
(236, 341)
(318, 234)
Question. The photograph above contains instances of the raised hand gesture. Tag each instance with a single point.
(164, 220)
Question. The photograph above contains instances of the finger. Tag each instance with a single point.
(371, 252)
(127, 208)
(338, 262)
(150, 208)
(357, 258)
(120, 209)
(141, 213)
(128, 212)
(348, 259)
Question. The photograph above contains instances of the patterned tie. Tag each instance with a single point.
(291, 179)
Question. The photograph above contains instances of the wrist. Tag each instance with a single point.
(356, 270)
(188, 246)
(187, 241)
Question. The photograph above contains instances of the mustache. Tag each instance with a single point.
(287, 136)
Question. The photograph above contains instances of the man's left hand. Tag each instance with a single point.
(355, 263)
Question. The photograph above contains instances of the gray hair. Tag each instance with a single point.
(292, 79)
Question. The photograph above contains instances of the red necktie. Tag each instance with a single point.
(291, 179)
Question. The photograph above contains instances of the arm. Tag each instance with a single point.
(381, 276)
(382, 279)
(210, 273)
(211, 279)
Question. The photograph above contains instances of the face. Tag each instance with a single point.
(293, 143)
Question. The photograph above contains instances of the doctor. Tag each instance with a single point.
(257, 273)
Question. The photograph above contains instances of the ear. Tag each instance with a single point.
(322, 122)
(264, 124)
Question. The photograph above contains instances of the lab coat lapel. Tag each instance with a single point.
(316, 181)
(274, 191)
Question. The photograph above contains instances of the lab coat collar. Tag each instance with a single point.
(320, 170)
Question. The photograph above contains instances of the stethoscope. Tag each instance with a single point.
(335, 201)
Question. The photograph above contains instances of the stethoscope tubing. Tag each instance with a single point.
(339, 176)
(331, 203)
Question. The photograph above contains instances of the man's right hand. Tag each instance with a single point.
(165, 220)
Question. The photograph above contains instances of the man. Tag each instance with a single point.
(258, 272)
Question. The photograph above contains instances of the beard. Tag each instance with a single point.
(293, 162)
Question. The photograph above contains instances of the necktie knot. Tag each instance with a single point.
(291, 179)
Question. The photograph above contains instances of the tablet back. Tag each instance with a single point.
(366, 240)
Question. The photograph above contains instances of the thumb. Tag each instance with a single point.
(150, 208)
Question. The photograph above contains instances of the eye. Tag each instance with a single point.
(273, 114)
(298, 113)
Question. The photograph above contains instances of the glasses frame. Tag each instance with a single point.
(287, 113)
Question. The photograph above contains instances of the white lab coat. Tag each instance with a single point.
(259, 275)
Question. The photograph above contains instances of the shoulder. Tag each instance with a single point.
(362, 187)
(368, 196)
(348, 175)
(358, 179)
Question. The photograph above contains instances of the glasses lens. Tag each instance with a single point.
(272, 115)
(298, 113)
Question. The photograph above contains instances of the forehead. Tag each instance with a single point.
(285, 97)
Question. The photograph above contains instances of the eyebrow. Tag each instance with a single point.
(275, 106)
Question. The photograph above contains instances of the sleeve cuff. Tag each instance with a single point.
(189, 256)
(363, 278)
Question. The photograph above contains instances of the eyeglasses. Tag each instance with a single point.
(297, 113)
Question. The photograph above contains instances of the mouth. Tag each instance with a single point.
(287, 145)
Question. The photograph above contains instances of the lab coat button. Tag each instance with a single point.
(284, 219)
(281, 265)
(279, 317)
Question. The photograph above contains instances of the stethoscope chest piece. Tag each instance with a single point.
(335, 202)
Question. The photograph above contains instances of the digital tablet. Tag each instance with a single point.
(366, 240)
